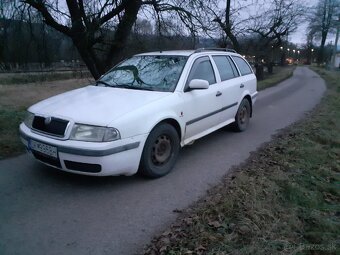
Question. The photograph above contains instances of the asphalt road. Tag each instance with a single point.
(45, 211)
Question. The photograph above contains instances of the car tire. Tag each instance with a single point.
(242, 116)
(160, 151)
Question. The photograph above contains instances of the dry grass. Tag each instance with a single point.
(22, 96)
(39, 77)
(14, 100)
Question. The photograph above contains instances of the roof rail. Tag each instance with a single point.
(214, 49)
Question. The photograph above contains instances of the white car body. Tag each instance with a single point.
(135, 113)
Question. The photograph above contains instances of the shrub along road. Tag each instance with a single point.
(45, 211)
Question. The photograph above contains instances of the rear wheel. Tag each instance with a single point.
(242, 116)
(160, 151)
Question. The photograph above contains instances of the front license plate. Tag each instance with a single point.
(45, 149)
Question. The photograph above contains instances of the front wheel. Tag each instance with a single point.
(242, 116)
(160, 151)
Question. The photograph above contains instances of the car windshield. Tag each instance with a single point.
(148, 72)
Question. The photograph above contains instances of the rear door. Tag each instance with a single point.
(247, 78)
(230, 86)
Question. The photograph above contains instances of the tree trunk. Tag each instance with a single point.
(322, 48)
(233, 39)
(83, 30)
(122, 33)
(228, 30)
(88, 59)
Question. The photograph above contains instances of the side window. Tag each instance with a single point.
(202, 69)
(242, 65)
(225, 68)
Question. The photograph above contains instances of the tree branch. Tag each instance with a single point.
(49, 20)
(114, 12)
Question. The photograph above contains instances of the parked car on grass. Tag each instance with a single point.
(139, 114)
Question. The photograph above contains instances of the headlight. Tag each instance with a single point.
(93, 133)
(29, 119)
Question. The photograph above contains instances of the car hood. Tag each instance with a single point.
(96, 105)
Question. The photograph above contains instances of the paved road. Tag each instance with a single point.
(44, 211)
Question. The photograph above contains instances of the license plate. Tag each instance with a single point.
(45, 149)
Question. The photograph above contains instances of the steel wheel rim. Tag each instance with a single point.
(243, 115)
(161, 150)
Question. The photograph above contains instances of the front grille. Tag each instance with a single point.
(48, 160)
(52, 126)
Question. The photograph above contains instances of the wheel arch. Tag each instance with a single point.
(248, 97)
(172, 122)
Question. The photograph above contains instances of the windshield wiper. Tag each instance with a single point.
(126, 86)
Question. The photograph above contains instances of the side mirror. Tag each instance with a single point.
(198, 84)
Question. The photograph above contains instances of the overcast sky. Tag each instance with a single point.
(300, 35)
(257, 6)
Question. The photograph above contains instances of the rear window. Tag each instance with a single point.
(242, 65)
(225, 68)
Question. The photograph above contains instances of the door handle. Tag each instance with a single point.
(219, 93)
(242, 86)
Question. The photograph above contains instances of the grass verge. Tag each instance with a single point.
(10, 144)
(280, 74)
(14, 99)
(284, 200)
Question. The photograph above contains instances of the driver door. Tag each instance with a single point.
(201, 106)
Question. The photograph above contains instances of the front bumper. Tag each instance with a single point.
(119, 157)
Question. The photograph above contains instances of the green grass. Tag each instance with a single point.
(280, 74)
(24, 78)
(284, 200)
(10, 119)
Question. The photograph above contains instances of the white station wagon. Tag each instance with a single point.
(139, 114)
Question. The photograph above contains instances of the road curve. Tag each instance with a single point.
(45, 211)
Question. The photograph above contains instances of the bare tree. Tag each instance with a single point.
(322, 22)
(279, 19)
(226, 25)
(100, 29)
(225, 17)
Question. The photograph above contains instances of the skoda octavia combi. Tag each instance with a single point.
(139, 114)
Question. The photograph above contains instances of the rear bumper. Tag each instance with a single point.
(119, 157)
